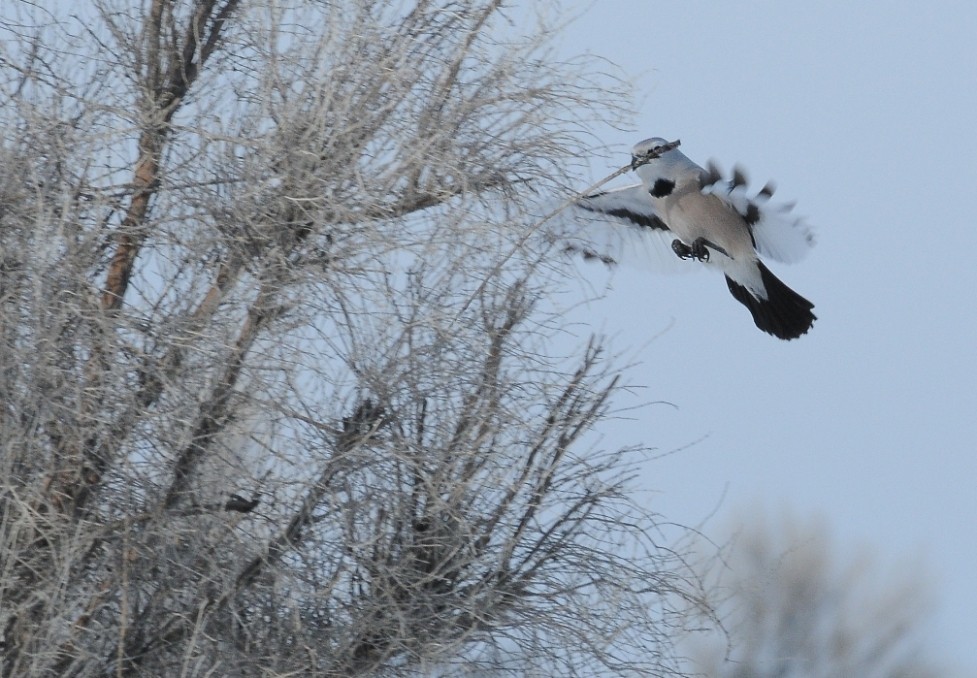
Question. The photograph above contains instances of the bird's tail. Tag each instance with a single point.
(784, 313)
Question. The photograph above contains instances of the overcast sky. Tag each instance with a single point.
(865, 113)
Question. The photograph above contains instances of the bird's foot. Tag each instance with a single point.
(698, 250)
(681, 249)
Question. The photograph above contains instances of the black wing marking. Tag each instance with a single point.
(642, 219)
(711, 175)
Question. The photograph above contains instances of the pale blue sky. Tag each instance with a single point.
(865, 114)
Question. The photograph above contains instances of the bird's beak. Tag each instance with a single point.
(636, 162)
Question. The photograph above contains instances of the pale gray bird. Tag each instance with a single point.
(716, 223)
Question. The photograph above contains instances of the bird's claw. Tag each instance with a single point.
(697, 251)
(681, 249)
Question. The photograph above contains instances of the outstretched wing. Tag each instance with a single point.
(777, 233)
(630, 204)
(620, 226)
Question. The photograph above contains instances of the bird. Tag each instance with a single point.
(713, 222)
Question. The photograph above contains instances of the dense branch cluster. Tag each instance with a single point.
(276, 386)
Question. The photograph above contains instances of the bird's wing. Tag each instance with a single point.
(777, 233)
(620, 226)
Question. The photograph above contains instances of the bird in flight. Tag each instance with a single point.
(714, 222)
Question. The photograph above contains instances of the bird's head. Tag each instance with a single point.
(651, 149)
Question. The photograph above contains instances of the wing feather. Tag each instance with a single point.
(621, 226)
(777, 233)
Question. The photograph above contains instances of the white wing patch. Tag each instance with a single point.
(778, 234)
(781, 235)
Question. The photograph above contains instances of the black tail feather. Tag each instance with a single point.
(784, 313)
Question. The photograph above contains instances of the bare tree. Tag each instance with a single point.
(279, 393)
(792, 610)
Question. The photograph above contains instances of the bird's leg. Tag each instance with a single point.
(700, 251)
